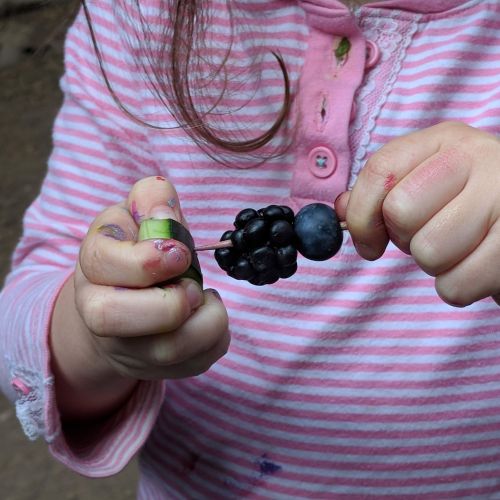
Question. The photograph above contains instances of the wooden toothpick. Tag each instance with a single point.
(229, 244)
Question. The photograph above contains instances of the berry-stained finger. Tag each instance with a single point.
(110, 254)
(424, 192)
(382, 173)
(128, 312)
(154, 197)
(170, 229)
(187, 351)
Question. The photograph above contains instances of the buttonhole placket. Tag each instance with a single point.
(322, 162)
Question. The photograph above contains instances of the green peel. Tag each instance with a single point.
(170, 229)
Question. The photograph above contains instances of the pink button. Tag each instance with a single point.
(322, 162)
(373, 54)
(20, 386)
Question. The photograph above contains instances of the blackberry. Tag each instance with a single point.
(245, 216)
(255, 233)
(281, 233)
(263, 246)
(237, 238)
(266, 242)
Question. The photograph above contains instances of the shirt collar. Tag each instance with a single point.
(418, 6)
(421, 6)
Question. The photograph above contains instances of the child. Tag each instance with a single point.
(355, 378)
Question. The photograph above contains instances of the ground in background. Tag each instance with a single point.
(29, 100)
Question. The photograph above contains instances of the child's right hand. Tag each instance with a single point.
(144, 331)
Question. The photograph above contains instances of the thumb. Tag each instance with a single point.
(340, 204)
(154, 197)
(155, 207)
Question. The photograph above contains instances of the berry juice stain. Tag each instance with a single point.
(390, 182)
(152, 265)
(160, 178)
(266, 467)
(172, 203)
(113, 231)
(135, 214)
(172, 248)
(164, 245)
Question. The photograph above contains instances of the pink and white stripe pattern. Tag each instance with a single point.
(350, 380)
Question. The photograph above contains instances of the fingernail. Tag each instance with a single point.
(453, 304)
(193, 294)
(163, 212)
(365, 251)
(338, 197)
(215, 293)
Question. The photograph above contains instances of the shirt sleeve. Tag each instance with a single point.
(98, 153)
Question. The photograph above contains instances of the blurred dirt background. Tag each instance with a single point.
(31, 40)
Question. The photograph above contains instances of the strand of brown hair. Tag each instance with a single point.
(173, 86)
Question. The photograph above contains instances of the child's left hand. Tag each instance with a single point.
(435, 194)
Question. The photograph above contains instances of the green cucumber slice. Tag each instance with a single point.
(170, 229)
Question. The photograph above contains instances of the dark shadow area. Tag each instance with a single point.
(31, 41)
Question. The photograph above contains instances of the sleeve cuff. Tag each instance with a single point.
(97, 451)
(108, 447)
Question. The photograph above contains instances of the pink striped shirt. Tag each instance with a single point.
(351, 379)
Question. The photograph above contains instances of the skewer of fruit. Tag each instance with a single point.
(264, 244)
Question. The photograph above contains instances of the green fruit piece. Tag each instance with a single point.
(170, 229)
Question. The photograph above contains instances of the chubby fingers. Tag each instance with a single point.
(154, 197)
(475, 277)
(111, 255)
(110, 311)
(440, 204)
(186, 351)
(375, 207)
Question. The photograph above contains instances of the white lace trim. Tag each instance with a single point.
(392, 36)
(30, 407)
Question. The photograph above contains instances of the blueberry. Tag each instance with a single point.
(318, 232)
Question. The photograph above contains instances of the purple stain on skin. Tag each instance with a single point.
(164, 245)
(171, 247)
(172, 203)
(135, 214)
(112, 231)
(266, 467)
